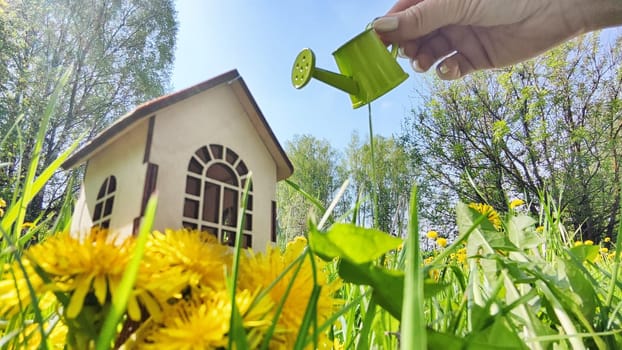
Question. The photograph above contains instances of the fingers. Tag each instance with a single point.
(449, 69)
(454, 67)
(452, 64)
(427, 50)
(402, 5)
(415, 21)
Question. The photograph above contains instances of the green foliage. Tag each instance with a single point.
(316, 174)
(120, 54)
(552, 124)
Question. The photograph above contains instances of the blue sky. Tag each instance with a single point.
(261, 40)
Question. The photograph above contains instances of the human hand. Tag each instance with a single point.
(469, 35)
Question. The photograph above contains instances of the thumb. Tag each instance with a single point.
(417, 20)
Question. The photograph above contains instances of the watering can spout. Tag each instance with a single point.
(304, 69)
(367, 69)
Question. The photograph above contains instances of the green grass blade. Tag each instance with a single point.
(413, 328)
(277, 313)
(616, 266)
(237, 335)
(10, 131)
(368, 321)
(310, 315)
(374, 191)
(36, 152)
(335, 316)
(333, 204)
(119, 304)
(33, 295)
(11, 216)
(305, 194)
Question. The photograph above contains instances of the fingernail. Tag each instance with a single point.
(416, 67)
(386, 24)
(443, 69)
(400, 53)
(447, 72)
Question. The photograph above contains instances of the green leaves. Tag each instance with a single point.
(358, 248)
(353, 243)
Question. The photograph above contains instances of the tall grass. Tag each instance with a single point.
(526, 283)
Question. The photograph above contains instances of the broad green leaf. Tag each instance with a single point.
(498, 336)
(388, 285)
(447, 341)
(521, 231)
(585, 252)
(481, 239)
(485, 238)
(583, 287)
(353, 243)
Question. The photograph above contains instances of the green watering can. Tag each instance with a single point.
(368, 69)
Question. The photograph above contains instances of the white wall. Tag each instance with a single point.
(122, 158)
(211, 117)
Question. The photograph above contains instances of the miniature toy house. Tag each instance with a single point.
(197, 147)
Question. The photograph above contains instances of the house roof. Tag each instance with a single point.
(233, 79)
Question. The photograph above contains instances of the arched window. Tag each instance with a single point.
(214, 187)
(104, 203)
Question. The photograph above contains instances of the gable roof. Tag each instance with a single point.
(233, 79)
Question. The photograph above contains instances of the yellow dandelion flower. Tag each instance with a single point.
(2, 203)
(30, 337)
(202, 322)
(14, 292)
(428, 260)
(516, 203)
(492, 214)
(258, 270)
(89, 265)
(441, 242)
(338, 345)
(604, 250)
(177, 260)
(432, 234)
(578, 243)
(28, 225)
(540, 229)
(435, 274)
(607, 239)
(588, 242)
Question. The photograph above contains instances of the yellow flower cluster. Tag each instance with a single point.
(489, 211)
(2, 206)
(586, 242)
(516, 203)
(440, 241)
(181, 285)
(459, 256)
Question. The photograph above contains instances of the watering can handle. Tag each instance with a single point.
(394, 46)
(394, 50)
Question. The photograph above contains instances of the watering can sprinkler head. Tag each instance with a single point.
(367, 69)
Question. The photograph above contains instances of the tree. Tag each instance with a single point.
(120, 54)
(389, 183)
(316, 171)
(552, 124)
